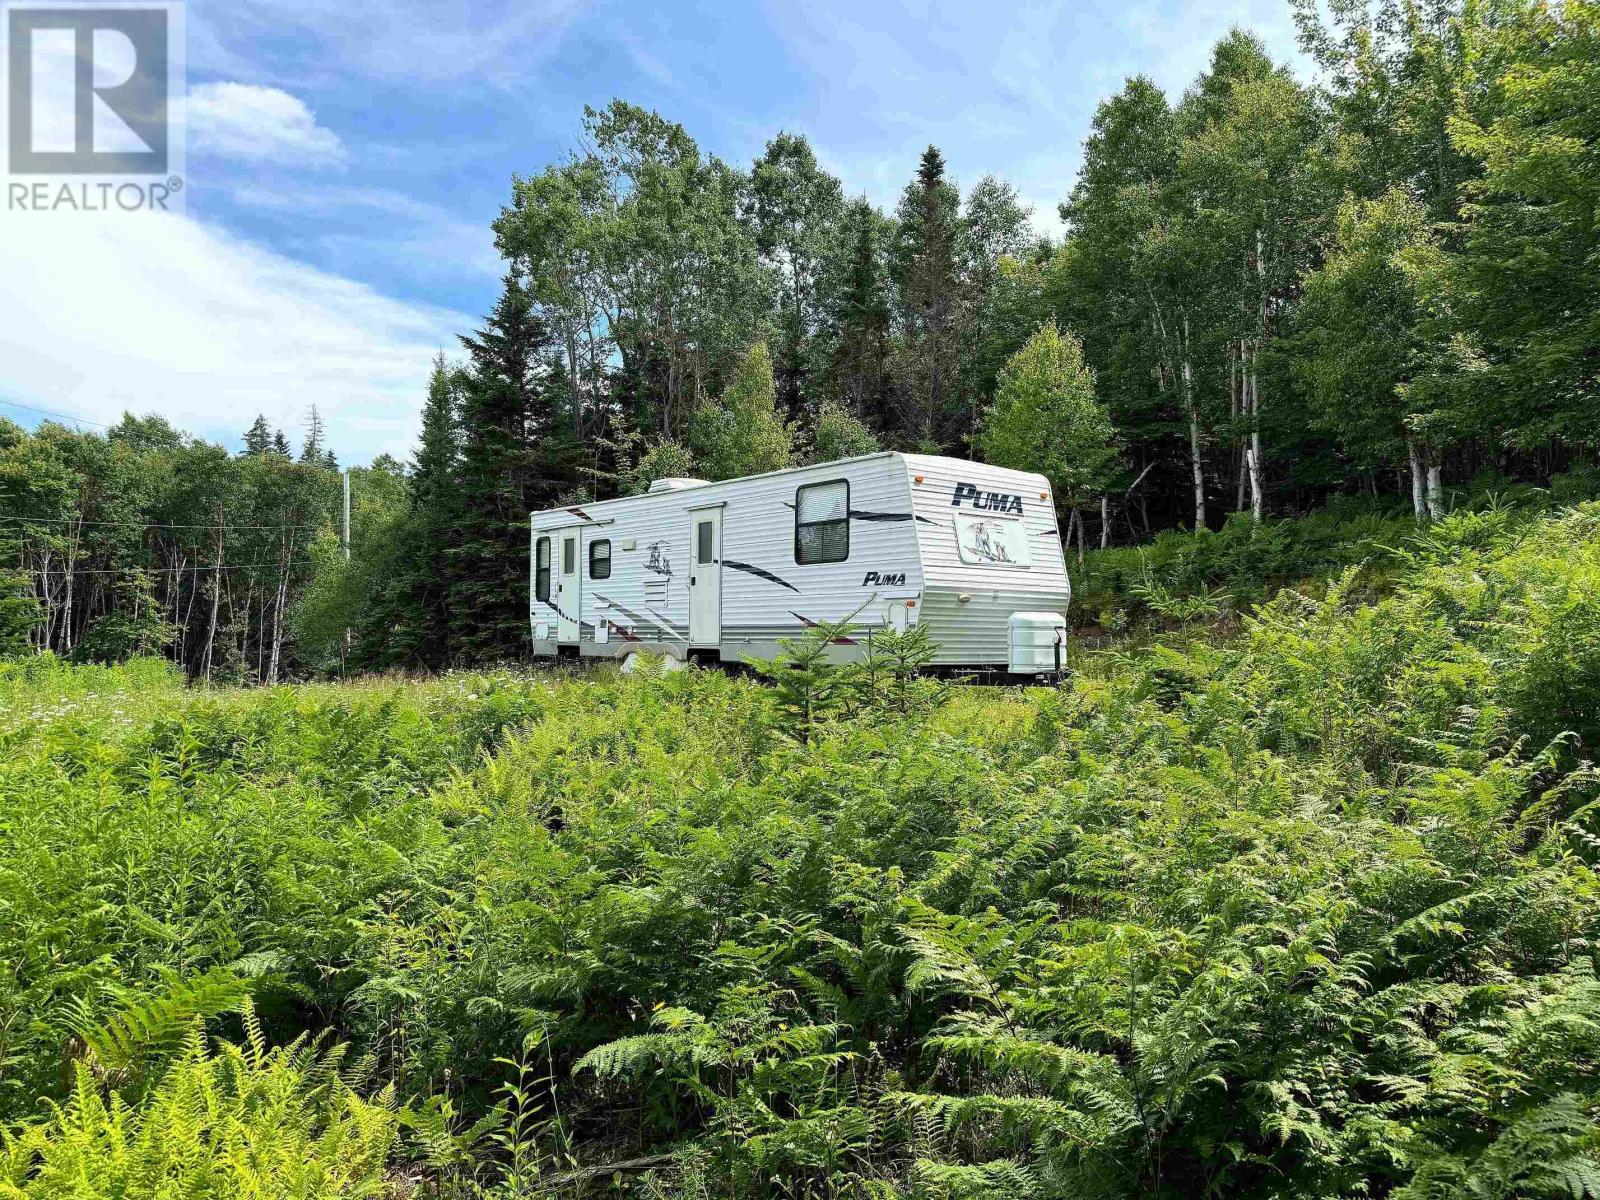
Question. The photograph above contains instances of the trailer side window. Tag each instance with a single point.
(822, 522)
(600, 559)
(541, 570)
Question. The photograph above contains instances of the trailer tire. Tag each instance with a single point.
(634, 659)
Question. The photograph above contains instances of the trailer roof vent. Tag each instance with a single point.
(674, 484)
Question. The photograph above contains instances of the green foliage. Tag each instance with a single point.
(1248, 559)
(889, 676)
(1371, 347)
(20, 614)
(134, 628)
(661, 460)
(230, 1121)
(318, 618)
(517, 455)
(1046, 419)
(743, 433)
(134, 1041)
(809, 682)
(1307, 910)
(839, 433)
(112, 545)
(812, 684)
(1529, 115)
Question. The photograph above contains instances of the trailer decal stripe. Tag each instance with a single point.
(635, 616)
(810, 624)
(859, 514)
(863, 514)
(761, 573)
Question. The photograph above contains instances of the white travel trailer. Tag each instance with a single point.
(723, 570)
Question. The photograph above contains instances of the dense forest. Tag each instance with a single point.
(1270, 291)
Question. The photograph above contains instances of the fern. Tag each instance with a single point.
(233, 1121)
(151, 1024)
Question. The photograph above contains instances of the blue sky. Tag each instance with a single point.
(345, 160)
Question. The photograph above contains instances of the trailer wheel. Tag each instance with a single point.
(634, 661)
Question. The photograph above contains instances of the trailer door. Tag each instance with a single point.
(569, 590)
(705, 577)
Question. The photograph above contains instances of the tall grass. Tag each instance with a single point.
(1307, 912)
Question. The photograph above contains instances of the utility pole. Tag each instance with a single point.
(344, 544)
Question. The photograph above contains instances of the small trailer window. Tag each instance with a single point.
(600, 559)
(704, 535)
(541, 570)
(822, 522)
(569, 555)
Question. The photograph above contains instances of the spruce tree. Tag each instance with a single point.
(517, 456)
(312, 450)
(861, 325)
(929, 286)
(439, 451)
(258, 438)
(417, 611)
(280, 444)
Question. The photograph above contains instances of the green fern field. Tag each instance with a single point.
(1302, 906)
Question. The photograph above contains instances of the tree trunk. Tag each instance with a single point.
(1435, 491)
(188, 611)
(277, 611)
(577, 385)
(1105, 521)
(244, 637)
(1235, 410)
(216, 599)
(69, 600)
(1196, 467)
(1257, 467)
(1419, 502)
(1257, 485)
(262, 639)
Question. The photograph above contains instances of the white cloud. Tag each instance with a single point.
(163, 313)
(359, 227)
(254, 123)
(420, 43)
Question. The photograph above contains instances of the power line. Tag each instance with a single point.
(299, 562)
(50, 412)
(144, 524)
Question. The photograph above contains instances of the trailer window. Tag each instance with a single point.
(705, 532)
(541, 570)
(600, 559)
(569, 555)
(822, 522)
